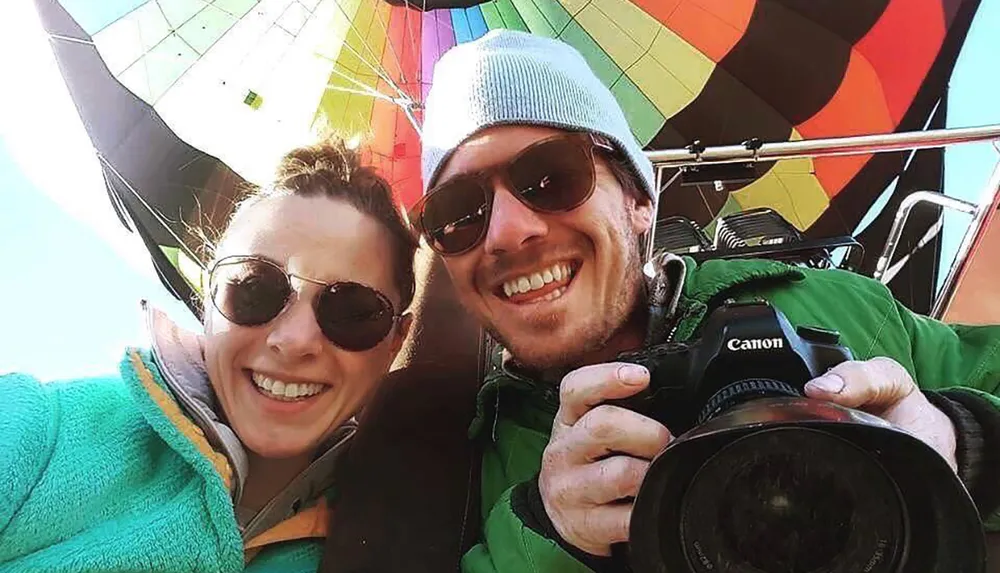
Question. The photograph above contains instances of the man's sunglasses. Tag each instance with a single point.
(553, 175)
(251, 291)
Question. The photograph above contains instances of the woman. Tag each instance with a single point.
(216, 452)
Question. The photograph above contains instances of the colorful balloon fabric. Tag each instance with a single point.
(246, 80)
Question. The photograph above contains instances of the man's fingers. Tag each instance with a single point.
(586, 387)
(608, 430)
(876, 383)
(608, 523)
(616, 478)
(598, 483)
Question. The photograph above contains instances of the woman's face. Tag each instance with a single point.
(325, 240)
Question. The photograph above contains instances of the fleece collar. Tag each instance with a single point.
(178, 355)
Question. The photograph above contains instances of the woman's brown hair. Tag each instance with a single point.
(331, 169)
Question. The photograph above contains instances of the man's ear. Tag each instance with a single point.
(643, 214)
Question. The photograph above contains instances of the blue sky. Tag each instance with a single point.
(975, 89)
(73, 276)
(69, 301)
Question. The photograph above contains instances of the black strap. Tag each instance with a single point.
(983, 485)
(407, 496)
(968, 437)
(526, 502)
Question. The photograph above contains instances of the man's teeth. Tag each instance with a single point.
(535, 281)
(285, 390)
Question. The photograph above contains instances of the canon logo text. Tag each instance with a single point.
(736, 344)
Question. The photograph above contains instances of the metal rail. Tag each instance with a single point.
(905, 207)
(755, 151)
(828, 147)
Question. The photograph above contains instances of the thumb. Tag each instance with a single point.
(877, 383)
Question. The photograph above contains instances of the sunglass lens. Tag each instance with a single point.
(455, 215)
(555, 175)
(353, 316)
(249, 292)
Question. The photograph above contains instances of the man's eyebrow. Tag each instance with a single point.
(461, 174)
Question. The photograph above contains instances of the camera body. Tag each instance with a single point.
(748, 350)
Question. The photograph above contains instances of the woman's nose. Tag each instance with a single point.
(296, 334)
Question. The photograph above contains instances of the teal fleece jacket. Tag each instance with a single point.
(110, 474)
(95, 477)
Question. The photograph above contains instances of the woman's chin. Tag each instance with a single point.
(281, 446)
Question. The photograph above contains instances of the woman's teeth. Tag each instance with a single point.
(285, 391)
(535, 281)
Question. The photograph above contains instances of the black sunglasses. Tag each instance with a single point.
(553, 175)
(251, 291)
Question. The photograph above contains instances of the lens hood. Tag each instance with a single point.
(794, 485)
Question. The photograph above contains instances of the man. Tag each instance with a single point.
(537, 198)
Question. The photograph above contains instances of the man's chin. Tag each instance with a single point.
(546, 352)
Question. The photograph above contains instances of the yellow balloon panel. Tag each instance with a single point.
(625, 45)
(685, 62)
(366, 41)
(632, 20)
(352, 72)
(797, 197)
(671, 73)
(337, 16)
(671, 94)
(574, 6)
(667, 69)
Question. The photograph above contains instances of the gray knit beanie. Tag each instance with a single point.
(509, 77)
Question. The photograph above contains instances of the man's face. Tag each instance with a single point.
(554, 288)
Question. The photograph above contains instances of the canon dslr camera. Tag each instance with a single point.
(760, 479)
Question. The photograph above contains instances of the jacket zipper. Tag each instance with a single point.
(202, 422)
(277, 502)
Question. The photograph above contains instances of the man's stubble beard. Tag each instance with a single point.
(626, 312)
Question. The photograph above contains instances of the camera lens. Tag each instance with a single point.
(767, 503)
(780, 516)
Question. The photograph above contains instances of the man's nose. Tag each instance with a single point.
(512, 223)
(295, 334)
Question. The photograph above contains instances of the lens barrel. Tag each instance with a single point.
(793, 485)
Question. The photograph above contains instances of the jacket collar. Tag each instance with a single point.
(718, 278)
(179, 356)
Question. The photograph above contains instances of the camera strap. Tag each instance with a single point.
(664, 290)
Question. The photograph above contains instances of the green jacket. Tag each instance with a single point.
(134, 472)
(515, 412)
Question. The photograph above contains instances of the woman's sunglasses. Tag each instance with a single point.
(251, 291)
(553, 175)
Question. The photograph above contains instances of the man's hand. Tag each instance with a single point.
(597, 455)
(881, 386)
